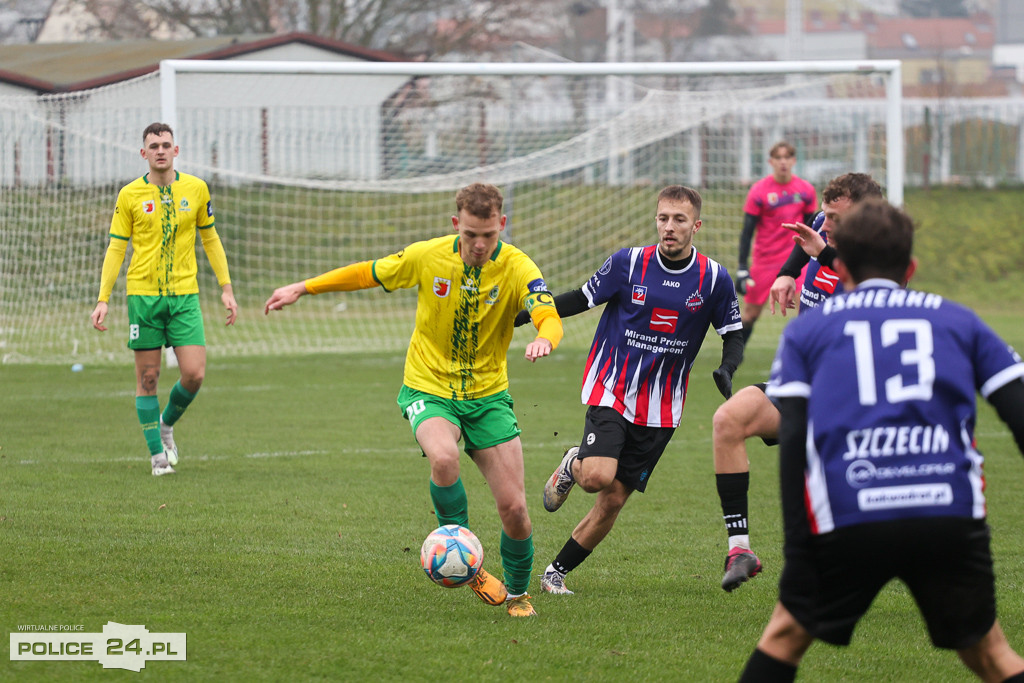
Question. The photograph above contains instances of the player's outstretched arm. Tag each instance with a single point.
(285, 296)
(783, 293)
(539, 348)
(567, 304)
(806, 237)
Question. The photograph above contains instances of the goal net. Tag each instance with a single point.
(315, 165)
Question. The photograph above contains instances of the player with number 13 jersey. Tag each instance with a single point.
(866, 462)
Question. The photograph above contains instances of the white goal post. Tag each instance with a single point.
(313, 165)
(890, 69)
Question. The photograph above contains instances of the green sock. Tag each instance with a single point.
(148, 408)
(517, 561)
(450, 503)
(176, 404)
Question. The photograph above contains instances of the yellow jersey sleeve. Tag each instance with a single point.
(345, 279)
(402, 269)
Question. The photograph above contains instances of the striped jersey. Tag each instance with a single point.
(820, 282)
(161, 223)
(464, 314)
(651, 329)
(890, 375)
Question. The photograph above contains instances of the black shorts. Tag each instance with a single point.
(607, 434)
(829, 582)
(775, 402)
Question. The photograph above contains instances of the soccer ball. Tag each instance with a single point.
(451, 555)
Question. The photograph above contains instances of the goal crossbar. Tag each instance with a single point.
(890, 68)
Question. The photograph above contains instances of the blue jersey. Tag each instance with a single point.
(652, 327)
(891, 375)
(820, 282)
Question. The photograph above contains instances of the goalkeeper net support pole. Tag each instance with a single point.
(313, 165)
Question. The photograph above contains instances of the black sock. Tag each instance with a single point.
(570, 556)
(1016, 678)
(764, 669)
(732, 492)
(748, 329)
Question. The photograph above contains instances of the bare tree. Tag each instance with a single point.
(412, 27)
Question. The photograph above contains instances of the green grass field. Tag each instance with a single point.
(286, 547)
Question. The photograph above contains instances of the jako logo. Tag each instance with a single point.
(670, 283)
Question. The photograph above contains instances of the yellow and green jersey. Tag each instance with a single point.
(161, 223)
(464, 314)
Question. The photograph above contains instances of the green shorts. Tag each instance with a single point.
(484, 422)
(155, 321)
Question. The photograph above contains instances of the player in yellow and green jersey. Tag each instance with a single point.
(471, 285)
(160, 214)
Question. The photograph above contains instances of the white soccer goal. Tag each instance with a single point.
(314, 165)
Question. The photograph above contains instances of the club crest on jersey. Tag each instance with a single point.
(606, 267)
(639, 294)
(773, 198)
(442, 287)
(663, 320)
(492, 298)
(184, 205)
(148, 206)
(694, 302)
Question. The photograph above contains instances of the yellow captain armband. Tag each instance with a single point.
(541, 307)
(344, 279)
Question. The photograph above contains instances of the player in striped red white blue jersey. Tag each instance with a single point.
(659, 302)
(654, 323)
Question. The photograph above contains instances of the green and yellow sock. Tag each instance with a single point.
(517, 561)
(177, 403)
(148, 408)
(450, 503)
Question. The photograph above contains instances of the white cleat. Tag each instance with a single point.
(557, 488)
(554, 582)
(160, 464)
(167, 438)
